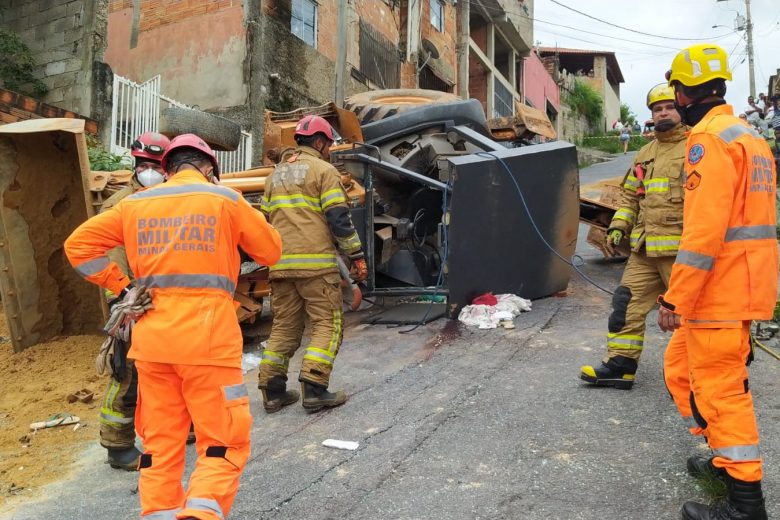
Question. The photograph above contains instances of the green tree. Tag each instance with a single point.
(16, 66)
(585, 101)
(626, 114)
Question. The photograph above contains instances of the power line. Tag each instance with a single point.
(599, 43)
(634, 30)
(606, 36)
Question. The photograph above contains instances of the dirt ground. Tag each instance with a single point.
(34, 385)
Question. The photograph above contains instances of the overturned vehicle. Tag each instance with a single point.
(445, 201)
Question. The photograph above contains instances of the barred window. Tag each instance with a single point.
(379, 58)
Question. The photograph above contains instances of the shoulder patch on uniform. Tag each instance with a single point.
(695, 153)
(692, 180)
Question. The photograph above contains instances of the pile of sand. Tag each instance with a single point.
(35, 386)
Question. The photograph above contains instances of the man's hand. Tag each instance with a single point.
(359, 271)
(668, 320)
(613, 239)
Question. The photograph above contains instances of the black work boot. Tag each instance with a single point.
(617, 371)
(745, 501)
(317, 397)
(702, 467)
(276, 396)
(123, 458)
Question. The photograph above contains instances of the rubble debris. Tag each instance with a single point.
(58, 419)
(84, 395)
(340, 445)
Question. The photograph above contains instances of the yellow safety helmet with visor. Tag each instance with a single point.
(698, 64)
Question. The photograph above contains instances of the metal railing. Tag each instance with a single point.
(136, 109)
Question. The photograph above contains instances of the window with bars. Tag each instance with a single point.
(303, 22)
(379, 58)
(503, 101)
(437, 14)
(429, 80)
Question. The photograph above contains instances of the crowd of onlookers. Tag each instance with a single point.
(763, 114)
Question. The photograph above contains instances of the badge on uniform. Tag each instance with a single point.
(692, 180)
(695, 154)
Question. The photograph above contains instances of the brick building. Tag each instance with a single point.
(599, 69)
(239, 57)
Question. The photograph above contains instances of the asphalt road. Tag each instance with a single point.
(455, 423)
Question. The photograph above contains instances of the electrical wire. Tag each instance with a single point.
(536, 228)
(635, 31)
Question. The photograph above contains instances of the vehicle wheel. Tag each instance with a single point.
(220, 133)
(375, 105)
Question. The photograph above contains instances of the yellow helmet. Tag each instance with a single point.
(699, 64)
(660, 92)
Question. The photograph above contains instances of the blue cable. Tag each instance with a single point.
(536, 228)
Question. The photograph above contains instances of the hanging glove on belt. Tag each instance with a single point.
(132, 303)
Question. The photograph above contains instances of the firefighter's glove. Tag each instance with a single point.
(132, 304)
(359, 271)
(614, 238)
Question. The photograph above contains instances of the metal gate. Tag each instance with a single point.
(136, 109)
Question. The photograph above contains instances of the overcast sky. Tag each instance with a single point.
(644, 59)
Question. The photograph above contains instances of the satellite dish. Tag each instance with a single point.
(430, 48)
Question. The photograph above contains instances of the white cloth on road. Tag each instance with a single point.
(489, 316)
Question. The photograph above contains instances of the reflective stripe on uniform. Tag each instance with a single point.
(663, 243)
(625, 341)
(658, 185)
(697, 260)
(734, 132)
(631, 184)
(205, 504)
(293, 200)
(737, 453)
(108, 416)
(350, 243)
(305, 261)
(627, 214)
(714, 321)
(335, 337)
(93, 266)
(633, 239)
(319, 355)
(168, 514)
(187, 189)
(751, 233)
(275, 359)
(233, 392)
(331, 197)
(189, 281)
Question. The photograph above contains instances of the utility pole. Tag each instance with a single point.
(463, 48)
(341, 52)
(749, 30)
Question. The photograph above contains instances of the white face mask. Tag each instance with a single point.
(150, 177)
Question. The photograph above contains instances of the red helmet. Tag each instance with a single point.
(194, 142)
(311, 125)
(150, 145)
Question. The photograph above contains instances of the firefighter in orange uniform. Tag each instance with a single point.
(725, 275)
(182, 241)
(306, 203)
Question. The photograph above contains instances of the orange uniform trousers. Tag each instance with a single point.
(704, 370)
(170, 397)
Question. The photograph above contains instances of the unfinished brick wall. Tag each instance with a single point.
(15, 107)
(66, 38)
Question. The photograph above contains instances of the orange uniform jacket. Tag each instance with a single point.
(726, 268)
(181, 239)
